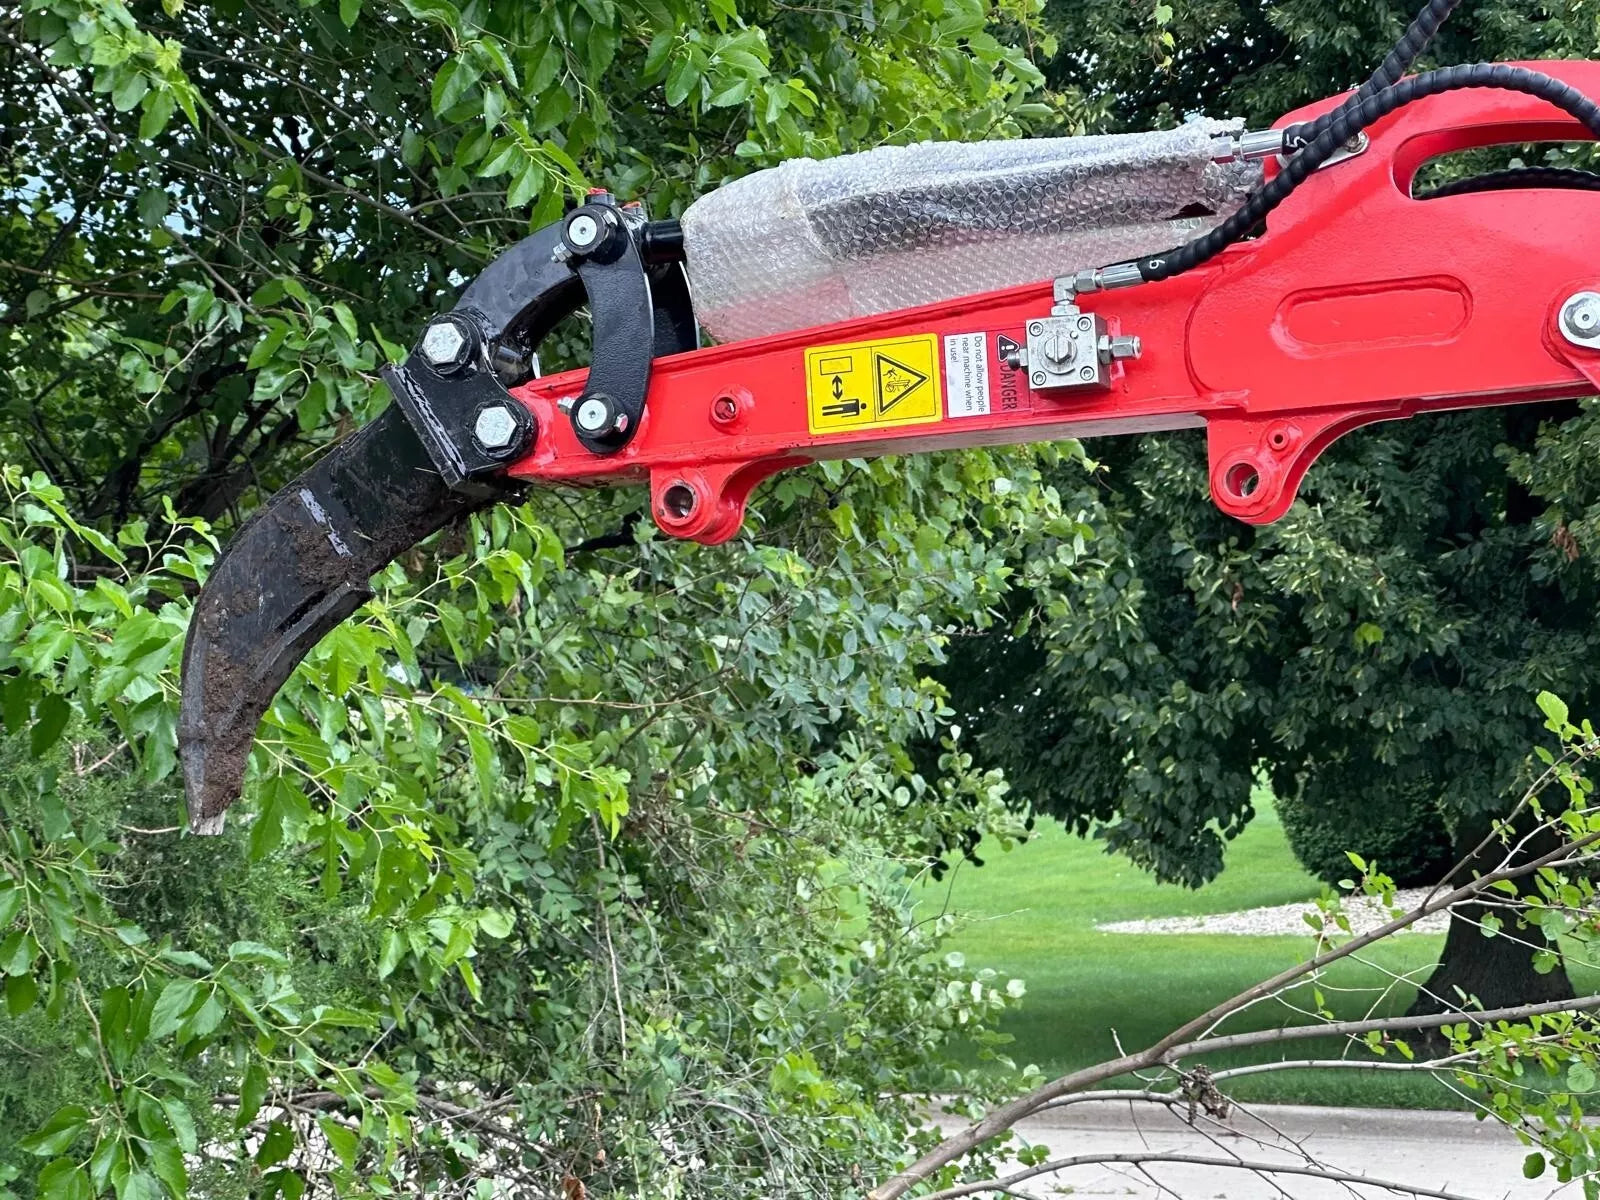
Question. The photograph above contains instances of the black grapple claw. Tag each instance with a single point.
(291, 573)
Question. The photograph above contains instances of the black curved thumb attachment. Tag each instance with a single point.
(301, 565)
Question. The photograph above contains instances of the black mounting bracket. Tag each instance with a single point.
(454, 386)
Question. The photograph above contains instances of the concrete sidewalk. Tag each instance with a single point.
(1446, 1152)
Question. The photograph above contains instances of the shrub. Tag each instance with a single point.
(1391, 820)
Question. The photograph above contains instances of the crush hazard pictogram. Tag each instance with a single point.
(894, 381)
(873, 385)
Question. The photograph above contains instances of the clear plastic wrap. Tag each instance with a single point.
(814, 241)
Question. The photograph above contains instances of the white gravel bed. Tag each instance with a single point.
(1278, 919)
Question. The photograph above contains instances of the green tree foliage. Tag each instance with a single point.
(578, 860)
(597, 873)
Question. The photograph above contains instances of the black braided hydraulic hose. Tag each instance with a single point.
(1517, 177)
(1398, 61)
(1350, 119)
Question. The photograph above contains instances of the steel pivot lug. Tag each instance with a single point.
(592, 231)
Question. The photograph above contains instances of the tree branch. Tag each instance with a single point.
(1138, 1158)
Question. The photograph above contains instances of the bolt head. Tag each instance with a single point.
(1038, 377)
(724, 409)
(1036, 328)
(1580, 318)
(1086, 374)
(496, 427)
(1086, 323)
(444, 344)
(583, 231)
(593, 416)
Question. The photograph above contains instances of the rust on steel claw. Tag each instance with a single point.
(291, 573)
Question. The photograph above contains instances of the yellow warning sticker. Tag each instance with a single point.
(873, 385)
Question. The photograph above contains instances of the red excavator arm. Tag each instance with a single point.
(1359, 302)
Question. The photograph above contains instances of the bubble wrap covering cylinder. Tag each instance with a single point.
(814, 241)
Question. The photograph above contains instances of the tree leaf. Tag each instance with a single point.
(59, 1132)
(49, 720)
(526, 185)
(177, 1113)
(453, 82)
(174, 1003)
(1580, 1077)
(130, 89)
(63, 1180)
(257, 952)
(554, 107)
(503, 156)
(11, 897)
(252, 1092)
(152, 206)
(22, 991)
(342, 1138)
(680, 79)
(1554, 709)
(166, 1162)
(276, 1145)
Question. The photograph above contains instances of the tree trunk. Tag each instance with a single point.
(1490, 972)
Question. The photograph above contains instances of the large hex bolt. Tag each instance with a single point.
(445, 345)
(497, 431)
(1580, 319)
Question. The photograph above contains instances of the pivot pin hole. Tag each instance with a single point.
(678, 501)
(1241, 481)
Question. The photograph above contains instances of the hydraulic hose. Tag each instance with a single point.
(1517, 177)
(1347, 121)
(1412, 43)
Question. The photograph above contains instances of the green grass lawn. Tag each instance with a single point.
(1032, 913)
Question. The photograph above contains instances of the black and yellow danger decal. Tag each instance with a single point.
(873, 385)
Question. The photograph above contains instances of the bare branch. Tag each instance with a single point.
(1138, 1158)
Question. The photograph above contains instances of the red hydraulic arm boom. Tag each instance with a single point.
(1358, 304)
